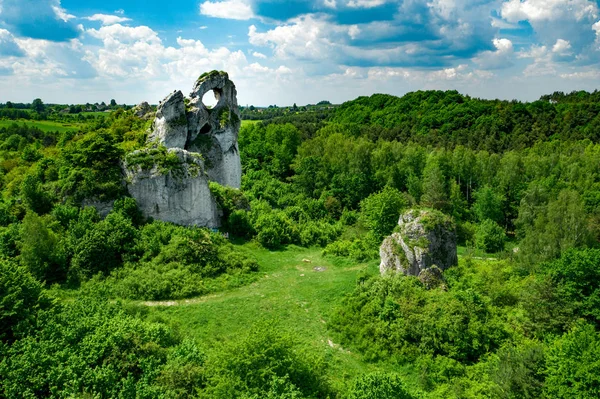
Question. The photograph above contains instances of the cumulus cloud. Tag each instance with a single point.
(365, 3)
(228, 9)
(499, 58)
(38, 19)
(8, 45)
(107, 19)
(558, 23)
(259, 55)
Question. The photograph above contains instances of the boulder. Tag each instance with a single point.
(422, 240)
(170, 124)
(172, 186)
(143, 110)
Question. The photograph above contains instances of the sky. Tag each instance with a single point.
(285, 52)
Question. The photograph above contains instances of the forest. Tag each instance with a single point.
(116, 305)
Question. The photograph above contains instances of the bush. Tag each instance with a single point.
(490, 236)
(573, 365)
(21, 297)
(274, 229)
(378, 386)
(361, 250)
(264, 360)
(382, 210)
(318, 233)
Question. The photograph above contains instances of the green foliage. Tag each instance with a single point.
(577, 273)
(382, 210)
(397, 317)
(359, 249)
(488, 205)
(266, 359)
(103, 247)
(490, 236)
(274, 229)
(86, 347)
(40, 250)
(378, 386)
(573, 364)
(21, 297)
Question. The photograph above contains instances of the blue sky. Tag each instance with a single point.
(284, 52)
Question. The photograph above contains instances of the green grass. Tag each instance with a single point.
(46, 126)
(247, 122)
(289, 291)
(95, 113)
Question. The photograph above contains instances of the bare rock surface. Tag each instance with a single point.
(171, 187)
(423, 239)
(170, 123)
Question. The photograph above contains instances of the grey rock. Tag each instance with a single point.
(214, 132)
(170, 124)
(143, 110)
(179, 194)
(102, 207)
(425, 238)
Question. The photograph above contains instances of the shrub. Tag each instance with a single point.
(490, 236)
(274, 229)
(378, 386)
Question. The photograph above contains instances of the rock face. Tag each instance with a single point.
(214, 132)
(170, 123)
(172, 186)
(188, 146)
(425, 239)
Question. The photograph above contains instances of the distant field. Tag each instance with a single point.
(46, 126)
(248, 122)
(95, 113)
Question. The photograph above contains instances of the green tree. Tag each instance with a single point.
(573, 365)
(40, 249)
(490, 236)
(488, 205)
(435, 193)
(38, 106)
(381, 211)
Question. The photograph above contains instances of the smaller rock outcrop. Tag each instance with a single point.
(423, 239)
(143, 110)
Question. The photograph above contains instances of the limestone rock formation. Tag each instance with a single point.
(214, 132)
(424, 238)
(143, 110)
(170, 123)
(172, 186)
(188, 145)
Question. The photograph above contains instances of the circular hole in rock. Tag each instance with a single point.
(211, 98)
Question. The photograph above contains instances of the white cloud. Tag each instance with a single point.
(61, 12)
(106, 19)
(228, 9)
(561, 47)
(365, 3)
(8, 45)
(548, 10)
(330, 4)
(259, 55)
(500, 58)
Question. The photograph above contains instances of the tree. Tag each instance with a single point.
(434, 187)
(40, 250)
(382, 210)
(490, 236)
(573, 365)
(488, 205)
(38, 106)
(113, 103)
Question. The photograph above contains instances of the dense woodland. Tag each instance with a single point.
(519, 317)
